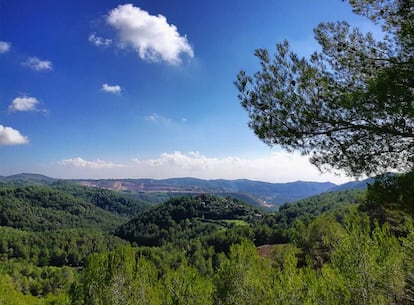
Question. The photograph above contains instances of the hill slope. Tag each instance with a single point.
(319, 204)
(28, 179)
(40, 207)
(186, 218)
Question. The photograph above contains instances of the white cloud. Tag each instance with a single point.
(276, 167)
(10, 136)
(37, 64)
(156, 118)
(4, 46)
(24, 103)
(151, 36)
(99, 41)
(111, 89)
(97, 164)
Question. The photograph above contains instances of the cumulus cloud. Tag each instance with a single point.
(96, 164)
(111, 89)
(37, 64)
(10, 136)
(277, 167)
(24, 103)
(4, 46)
(151, 36)
(99, 41)
(191, 160)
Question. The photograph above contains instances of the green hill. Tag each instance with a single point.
(187, 218)
(28, 179)
(316, 205)
(63, 206)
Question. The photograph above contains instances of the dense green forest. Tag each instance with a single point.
(64, 205)
(207, 249)
(186, 218)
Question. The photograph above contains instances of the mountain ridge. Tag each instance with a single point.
(259, 193)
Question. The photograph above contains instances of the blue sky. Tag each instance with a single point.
(144, 89)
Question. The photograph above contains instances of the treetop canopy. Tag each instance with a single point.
(350, 106)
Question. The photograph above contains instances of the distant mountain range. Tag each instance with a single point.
(264, 194)
(26, 178)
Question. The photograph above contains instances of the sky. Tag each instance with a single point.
(144, 89)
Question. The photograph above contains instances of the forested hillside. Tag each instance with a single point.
(202, 248)
(47, 231)
(62, 205)
(186, 218)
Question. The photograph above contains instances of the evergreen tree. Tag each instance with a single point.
(350, 107)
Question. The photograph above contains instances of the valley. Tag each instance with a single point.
(72, 241)
(262, 194)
